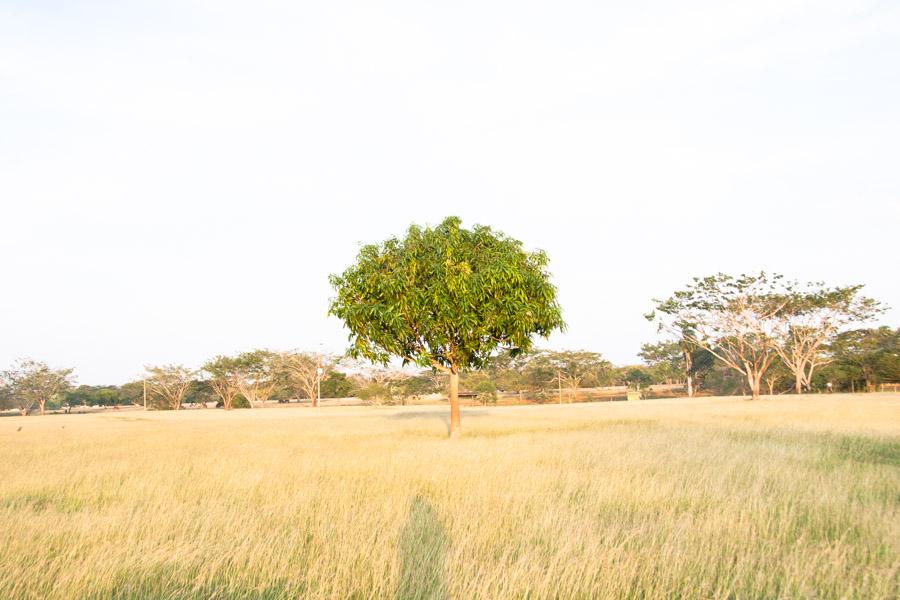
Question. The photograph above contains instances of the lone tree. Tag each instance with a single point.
(736, 319)
(446, 298)
(33, 382)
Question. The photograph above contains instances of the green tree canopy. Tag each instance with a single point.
(666, 359)
(872, 355)
(337, 385)
(90, 395)
(446, 298)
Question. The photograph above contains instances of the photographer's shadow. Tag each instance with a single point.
(422, 549)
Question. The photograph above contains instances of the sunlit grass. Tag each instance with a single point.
(719, 498)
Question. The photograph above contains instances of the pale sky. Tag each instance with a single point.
(178, 179)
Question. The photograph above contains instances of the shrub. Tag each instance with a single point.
(487, 392)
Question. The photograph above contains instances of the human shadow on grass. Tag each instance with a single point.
(422, 548)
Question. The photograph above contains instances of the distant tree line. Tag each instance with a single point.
(853, 360)
(244, 380)
(749, 334)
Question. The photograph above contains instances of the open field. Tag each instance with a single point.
(712, 497)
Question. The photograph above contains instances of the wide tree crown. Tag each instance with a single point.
(445, 297)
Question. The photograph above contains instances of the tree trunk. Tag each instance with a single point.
(42, 404)
(559, 382)
(798, 383)
(753, 379)
(688, 367)
(807, 378)
(455, 426)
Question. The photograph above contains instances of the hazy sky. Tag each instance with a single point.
(177, 179)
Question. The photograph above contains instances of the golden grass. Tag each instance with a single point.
(712, 498)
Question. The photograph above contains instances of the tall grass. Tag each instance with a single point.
(717, 498)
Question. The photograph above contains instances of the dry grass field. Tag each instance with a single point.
(788, 497)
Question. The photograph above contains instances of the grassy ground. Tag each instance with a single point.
(720, 498)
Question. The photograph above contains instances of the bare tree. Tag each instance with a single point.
(170, 383)
(33, 382)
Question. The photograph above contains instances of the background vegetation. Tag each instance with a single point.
(862, 359)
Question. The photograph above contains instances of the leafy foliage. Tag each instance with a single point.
(225, 378)
(666, 359)
(201, 392)
(94, 395)
(31, 382)
(300, 372)
(419, 385)
(637, 378)
(747, 321)
(813, 315)
(871, 356)
(445, 297)
(337, 385)
(734, 318)
(258, 375)
(168, 385)
(378, 394)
